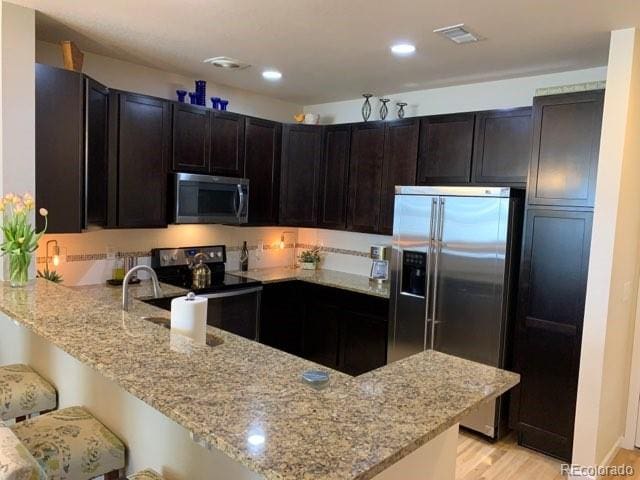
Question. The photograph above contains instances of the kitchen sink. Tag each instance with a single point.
(212, 340)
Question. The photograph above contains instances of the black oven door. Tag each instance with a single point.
(210, 199)
(236, 311)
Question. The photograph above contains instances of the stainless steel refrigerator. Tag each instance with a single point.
(454, 266)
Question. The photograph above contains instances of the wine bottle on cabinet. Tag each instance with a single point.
(244, 257)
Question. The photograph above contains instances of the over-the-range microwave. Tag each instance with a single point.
(210, 199)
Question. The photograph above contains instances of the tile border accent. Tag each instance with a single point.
(93, 257)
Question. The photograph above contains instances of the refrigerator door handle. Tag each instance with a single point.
(432, 234)
(438, 248)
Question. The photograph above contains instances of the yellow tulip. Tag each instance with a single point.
(44, 212)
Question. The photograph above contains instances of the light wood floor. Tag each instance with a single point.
(505, 460)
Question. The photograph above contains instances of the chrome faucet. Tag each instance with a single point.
(157, 293)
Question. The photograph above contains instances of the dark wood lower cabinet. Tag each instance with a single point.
(341, 330)
(548, 332)
(281, 316)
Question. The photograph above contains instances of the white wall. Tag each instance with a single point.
(614, 261)
(17, 130)
(137, 78)
(514, 92)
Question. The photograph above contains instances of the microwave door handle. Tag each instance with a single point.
(241, 202)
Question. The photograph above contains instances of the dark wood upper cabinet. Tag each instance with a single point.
(191, 138)
(300, 173)
(96, 153)
(502, 147)
(399, 166)
(548, 332)
(140, 158)
(566, 141)
(71, 149)
(365, 177)
(262, 146)
(227, 144)
(334, 177)
(446, 146)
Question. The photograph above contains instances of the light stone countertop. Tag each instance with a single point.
(329, 278)
(353, 429)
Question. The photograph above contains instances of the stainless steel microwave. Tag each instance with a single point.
(210, 199)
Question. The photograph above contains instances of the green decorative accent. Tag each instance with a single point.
(20, 238)
(50, 275)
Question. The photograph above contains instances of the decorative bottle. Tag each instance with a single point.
(244, 257)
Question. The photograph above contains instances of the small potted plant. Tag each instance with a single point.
(309, 259)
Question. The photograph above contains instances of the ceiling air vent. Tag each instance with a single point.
(227, 63)
(458, 34)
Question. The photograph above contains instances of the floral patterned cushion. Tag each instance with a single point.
(71, 444)
(23, 392)
(146, 474)
(16, 463)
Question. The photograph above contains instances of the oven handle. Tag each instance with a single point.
(232, 293)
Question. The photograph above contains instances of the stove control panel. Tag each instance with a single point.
(170, 257)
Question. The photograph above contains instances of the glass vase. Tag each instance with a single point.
(19, 269)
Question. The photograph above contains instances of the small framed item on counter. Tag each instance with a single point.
(380, 270)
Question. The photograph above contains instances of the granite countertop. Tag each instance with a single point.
(353, 429)
(329, 278)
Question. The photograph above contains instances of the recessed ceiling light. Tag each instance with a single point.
(403, 49)
(227, 63)
(272, 75)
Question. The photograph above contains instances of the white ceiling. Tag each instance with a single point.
(332, 50)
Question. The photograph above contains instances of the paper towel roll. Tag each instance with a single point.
(189, 317)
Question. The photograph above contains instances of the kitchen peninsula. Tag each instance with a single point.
(243, 401)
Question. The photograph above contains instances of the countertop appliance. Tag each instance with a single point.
(210, 199)
(454, 265)
(234, 302)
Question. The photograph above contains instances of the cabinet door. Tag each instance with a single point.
(334, 177)
(502, 147)
(191, 138)
(96, 153)
(301, 152)
(143, 156)
(399, 167)
(446, 145)
(321, 332)
(282, 311)
(549, 328)
(363, 345)
(365, 178)
(262, 168)
(566, 142)
(59, 148)
(227, 144)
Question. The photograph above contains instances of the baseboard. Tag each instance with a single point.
(608, 458)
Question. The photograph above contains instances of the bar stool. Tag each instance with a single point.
(23, 392)
(146, 474)
(15, 460)
(72, 444)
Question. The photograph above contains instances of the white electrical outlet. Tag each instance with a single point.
(111, 252)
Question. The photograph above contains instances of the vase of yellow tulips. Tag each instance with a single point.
(20, 238)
